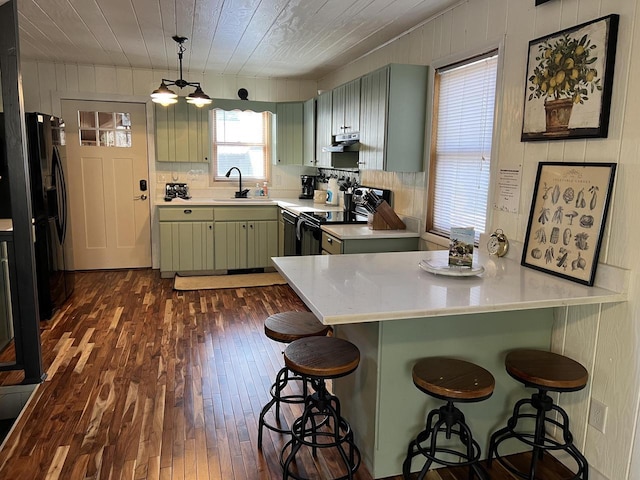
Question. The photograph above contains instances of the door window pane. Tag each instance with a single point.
(105, 129)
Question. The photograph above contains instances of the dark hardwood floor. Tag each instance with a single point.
(144, 382)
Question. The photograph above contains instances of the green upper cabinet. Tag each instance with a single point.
(323, 128)
(182, 133)
(393, 118)
(309, 129)
(289, 138)
(346, 108)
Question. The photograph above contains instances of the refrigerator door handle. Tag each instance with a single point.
(59, 181)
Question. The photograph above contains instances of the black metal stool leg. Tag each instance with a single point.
(537, 440)
(283, 377)
(450, 421)
(308, 431)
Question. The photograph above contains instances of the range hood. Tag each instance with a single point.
(345, 142)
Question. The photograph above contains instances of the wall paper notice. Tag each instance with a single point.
(507, 198)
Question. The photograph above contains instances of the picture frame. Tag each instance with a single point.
(567, 219)
(568, 84)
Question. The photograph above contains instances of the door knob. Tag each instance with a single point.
(140, 197)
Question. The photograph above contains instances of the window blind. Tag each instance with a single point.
(464, 131)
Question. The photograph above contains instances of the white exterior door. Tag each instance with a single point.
(106, 162)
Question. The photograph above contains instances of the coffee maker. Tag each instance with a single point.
(308, 186)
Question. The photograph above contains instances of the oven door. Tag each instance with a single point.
(310, 238)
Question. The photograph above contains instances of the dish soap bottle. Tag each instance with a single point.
(258, 192)
(265, 190)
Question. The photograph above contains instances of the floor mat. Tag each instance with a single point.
(208, 282)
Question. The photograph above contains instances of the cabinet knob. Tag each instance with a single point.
(188, 211)
(329, 240)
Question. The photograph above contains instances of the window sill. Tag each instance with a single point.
(436, 240)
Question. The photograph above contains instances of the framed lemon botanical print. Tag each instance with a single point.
(567, 219)
(569, 81)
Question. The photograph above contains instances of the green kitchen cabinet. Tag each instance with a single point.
(309, 133)
(289, 133)
(245, 237)
(186, 240)
(323, 128)
(182, 133)
(335, 246)
(393, 118)
(345, 114)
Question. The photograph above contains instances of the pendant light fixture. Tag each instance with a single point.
(165, 96)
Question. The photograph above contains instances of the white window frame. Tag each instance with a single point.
(269, 129)
(479, 50)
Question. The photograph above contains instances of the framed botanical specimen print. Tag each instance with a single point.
(567, 218)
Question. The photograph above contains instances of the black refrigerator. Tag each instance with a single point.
(45, 145)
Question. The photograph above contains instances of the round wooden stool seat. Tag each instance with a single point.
(321, 424)
(286, 327)
(453, 379)
(322, 357)
(546, 370)
(289, 326)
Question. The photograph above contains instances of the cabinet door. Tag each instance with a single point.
(352, 106)
(373, 119)
(230, 245)
(182, 133)
(186, 246)
(323, 128)
(337, 109)
(289, 138)
(262, 243)
(309, 129)
(346, 108)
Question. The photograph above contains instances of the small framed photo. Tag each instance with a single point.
(567, 219)
(461, 241)
(569, 82)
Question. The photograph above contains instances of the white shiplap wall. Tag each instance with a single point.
(606, 340)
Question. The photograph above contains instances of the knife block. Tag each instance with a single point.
(385, 218)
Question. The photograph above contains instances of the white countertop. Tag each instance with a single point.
(295, 205)
(363, 232)
(341, 289)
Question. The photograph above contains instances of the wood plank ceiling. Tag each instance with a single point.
(269, 38)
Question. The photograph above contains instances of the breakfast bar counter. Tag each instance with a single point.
(396, 313)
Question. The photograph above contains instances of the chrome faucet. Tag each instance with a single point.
(240, 193)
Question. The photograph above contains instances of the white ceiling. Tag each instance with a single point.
(271, 38)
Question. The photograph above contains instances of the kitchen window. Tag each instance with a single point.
(461, 147)
(241, 139)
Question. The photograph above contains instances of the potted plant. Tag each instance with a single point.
(564, 76)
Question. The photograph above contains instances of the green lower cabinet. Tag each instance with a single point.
(335, 246)
(245, 244)
(186, 246)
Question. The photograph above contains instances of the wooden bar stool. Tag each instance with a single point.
(321, 424)
(450, 380)
(285, 328)
(546, 372)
